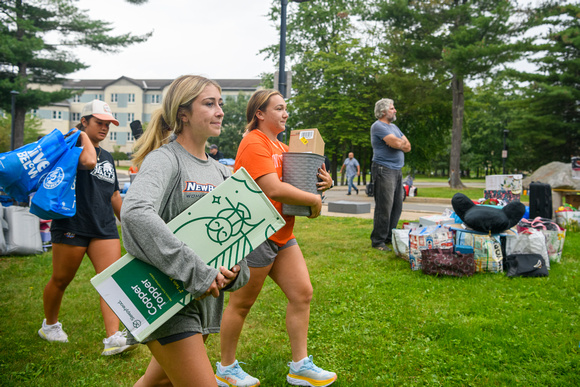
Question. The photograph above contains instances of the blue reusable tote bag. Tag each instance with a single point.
(56, 196)
(22, 169)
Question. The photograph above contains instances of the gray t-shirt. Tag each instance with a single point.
(351, 165)
(169, 181)
(382, 153)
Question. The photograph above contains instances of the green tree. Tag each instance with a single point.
(118, 155)
(457, 39)
(334, 81)
(336, 92)
(233, 126)
(36, 38)
(423, 114)
(485, 120)
(32, 130)
(547, 122)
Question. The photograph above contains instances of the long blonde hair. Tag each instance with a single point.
(178, 100)
(258, 101)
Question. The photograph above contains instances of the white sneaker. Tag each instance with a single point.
(117, 343)
(52, 332)
(234, 376)
(309, 375)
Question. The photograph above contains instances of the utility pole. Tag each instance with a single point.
(13, 113)
(504, 152)
(282, 79)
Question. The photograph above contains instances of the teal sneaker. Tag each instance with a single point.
(234, 376)
(310, 375)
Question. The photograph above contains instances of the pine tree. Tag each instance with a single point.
(547, 118)
(456, 39)
(334, 79)
(36, 38)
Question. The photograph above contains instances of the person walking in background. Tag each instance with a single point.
(389, 148)
(92, 230)
(280, 257)
(215, 153)
(352, 169)
(191, 113)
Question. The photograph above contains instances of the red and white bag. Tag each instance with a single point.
(430, 237)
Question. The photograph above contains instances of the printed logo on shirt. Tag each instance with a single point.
(277, 160)
(104, 171)
(193, 186)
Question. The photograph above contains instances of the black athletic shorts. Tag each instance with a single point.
(69, 238)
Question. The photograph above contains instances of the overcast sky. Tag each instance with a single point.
(217, 39)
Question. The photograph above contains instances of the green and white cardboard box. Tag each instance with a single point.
(222, 228)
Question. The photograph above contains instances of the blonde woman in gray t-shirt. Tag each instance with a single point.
(191, 112)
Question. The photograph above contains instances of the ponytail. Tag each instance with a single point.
(156, 134)
(179, 99)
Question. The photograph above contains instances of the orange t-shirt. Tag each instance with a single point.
(260, 156)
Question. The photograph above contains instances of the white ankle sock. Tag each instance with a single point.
(228, 366)
(298, 364)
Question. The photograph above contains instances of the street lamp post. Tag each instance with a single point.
(504, 152)
(282, 84)
(13, 113)
(281, 71)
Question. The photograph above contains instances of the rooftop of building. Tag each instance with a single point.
(156, 84)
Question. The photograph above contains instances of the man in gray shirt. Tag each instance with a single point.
(389, 148)
(352, 170)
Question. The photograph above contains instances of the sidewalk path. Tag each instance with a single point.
(413, 207)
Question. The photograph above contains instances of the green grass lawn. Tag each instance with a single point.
(373, 321)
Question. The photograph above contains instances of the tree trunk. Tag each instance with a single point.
(458, 105)
(343, 174)
(333, 166)
(19, 117)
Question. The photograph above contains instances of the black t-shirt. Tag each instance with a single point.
(95, 217)
(218, 155)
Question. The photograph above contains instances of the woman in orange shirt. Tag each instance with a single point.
(280, 257)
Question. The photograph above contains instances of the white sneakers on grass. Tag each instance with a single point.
(115, 344)
(234, 376)
(52, 332)
(306, 373)
(302, 373)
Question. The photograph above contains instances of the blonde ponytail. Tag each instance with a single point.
(179, 98)
(156, 134)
